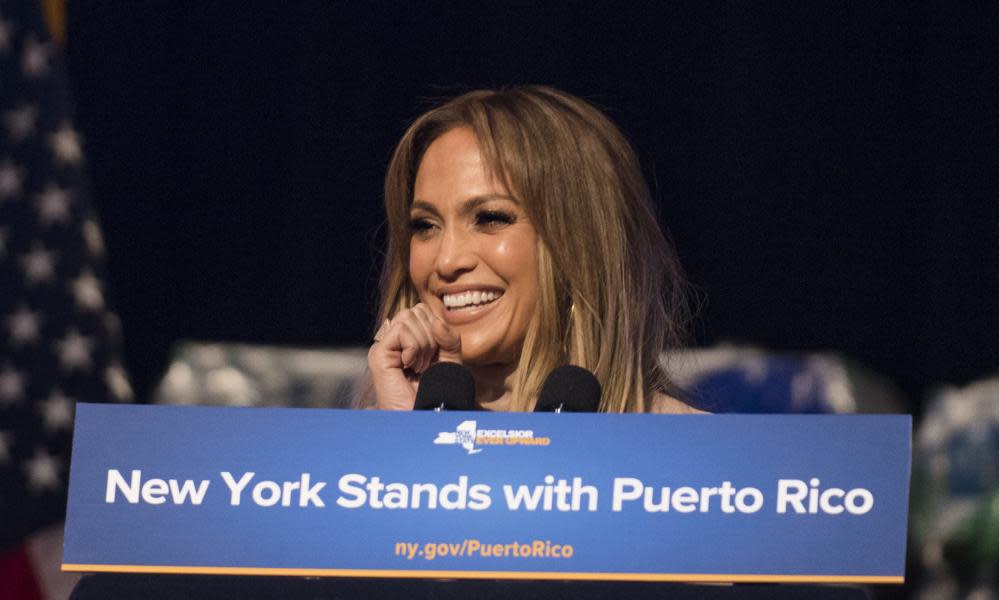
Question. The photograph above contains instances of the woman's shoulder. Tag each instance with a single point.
(663, 404)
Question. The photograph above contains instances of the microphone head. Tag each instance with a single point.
(569, 389)
(446, 385)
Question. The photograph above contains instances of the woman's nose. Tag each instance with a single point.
(455, 255)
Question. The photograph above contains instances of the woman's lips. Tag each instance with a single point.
(460, 315)
(464, 299)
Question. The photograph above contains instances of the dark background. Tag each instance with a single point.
(828, 174)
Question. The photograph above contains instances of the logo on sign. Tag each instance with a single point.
(463, 435)
(467, 435)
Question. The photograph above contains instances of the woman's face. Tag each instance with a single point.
(472, 251)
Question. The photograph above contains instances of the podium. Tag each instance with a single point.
(260, 503)
(171, 587)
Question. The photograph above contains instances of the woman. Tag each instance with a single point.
(521, 238)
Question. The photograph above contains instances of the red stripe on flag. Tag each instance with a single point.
(17, 577)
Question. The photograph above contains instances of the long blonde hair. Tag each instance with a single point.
(610, 287)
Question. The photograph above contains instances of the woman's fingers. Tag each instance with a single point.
(405, 347)
(416, 345)
(408, 343)
(424, 319)
(421, 337)
(396, 357)
(448, 341)
(383, 330)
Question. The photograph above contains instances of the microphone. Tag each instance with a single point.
(446, 386)
(569, 389)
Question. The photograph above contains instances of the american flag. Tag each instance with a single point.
(59, 343)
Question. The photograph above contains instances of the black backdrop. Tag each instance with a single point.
(827, 173)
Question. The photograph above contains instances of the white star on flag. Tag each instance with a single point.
(42, 470)
(20, 122)
(57, 411)
(11, 386)
(87, 290)
(23, 325)
(10, 180)
(74, 350)
(5, 28)
(66, 144)
(93, 238)
(117, 382)
(53, 205)
(39, 265)
(4, 447)
(35, 60)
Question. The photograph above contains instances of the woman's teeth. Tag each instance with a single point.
(465, 299)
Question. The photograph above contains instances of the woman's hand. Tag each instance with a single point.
(404, 348)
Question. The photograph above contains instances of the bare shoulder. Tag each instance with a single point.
(663, 404)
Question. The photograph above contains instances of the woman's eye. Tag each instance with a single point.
(420, 226)
(494, 218)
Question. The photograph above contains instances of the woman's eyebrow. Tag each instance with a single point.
(468, 206)
(424, 205)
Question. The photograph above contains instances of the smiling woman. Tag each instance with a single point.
(521, 238)
(472, 251)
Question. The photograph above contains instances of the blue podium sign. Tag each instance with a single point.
(163, 489)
